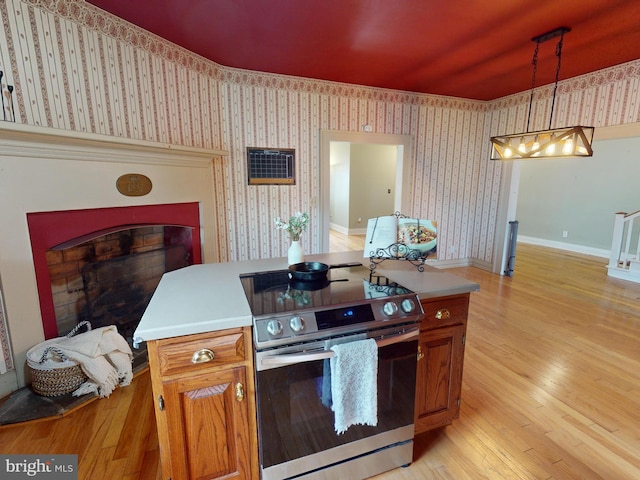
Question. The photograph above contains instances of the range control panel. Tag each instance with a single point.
(303, 325)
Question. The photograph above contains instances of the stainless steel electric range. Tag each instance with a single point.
(295, 326)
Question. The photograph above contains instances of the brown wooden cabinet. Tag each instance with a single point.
(205, 405)
(440, 361)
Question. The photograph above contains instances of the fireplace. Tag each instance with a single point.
(102, 265)
(110, 279)
(59, 189)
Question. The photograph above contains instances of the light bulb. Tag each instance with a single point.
(567, 148)
(522, 148)
(551, 148)
(535, 147)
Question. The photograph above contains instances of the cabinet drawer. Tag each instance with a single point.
(444, 311)
(198, 352)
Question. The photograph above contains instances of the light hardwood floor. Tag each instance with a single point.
(550, 390)
(339, 242)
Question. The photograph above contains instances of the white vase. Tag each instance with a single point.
(295, 253)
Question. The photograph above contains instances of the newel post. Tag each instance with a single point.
(616, 242)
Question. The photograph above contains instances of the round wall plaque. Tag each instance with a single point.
(133, 184)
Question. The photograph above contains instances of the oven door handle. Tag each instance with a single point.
(403, 337)
(293, 358)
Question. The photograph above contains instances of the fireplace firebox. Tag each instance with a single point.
(102, 265)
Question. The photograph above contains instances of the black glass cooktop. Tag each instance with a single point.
(275, 292)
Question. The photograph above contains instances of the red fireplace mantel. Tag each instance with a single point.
(52, 229)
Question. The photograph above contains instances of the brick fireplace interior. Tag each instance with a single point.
(103, 265)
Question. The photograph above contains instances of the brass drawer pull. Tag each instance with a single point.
(202, 356)
(239, 391)
(420, 354)
(443, 314)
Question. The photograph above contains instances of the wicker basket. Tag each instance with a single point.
(52, 373)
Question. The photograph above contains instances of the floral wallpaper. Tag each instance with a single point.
(6, 360)
(78, 68)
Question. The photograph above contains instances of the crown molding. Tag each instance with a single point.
(20, 140)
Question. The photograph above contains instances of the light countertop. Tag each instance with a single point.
(209, 297)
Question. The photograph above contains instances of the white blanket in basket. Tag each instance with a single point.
(104, 356)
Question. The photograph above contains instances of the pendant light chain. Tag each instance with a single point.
(534, 62)
(555, 88)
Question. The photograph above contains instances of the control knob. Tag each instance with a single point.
(296, 323)
(274, 327)
(407, 305)
(390, 308)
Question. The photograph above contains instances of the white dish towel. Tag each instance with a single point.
(354, 384)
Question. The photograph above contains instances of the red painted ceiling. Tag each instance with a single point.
(478, 49)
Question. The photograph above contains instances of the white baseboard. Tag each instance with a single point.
(339, 228)
(481, 264)
(623, 274)
(571, 247)
(347, 231)
(453, 263)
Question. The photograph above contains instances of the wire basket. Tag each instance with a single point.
(52, 373)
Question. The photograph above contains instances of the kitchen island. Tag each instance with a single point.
(198, 329)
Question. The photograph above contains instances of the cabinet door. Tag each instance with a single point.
(208, 427)
(439, 377)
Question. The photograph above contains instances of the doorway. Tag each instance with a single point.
(352, 201)
(403, 144)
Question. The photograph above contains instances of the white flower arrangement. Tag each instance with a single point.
(295, 226)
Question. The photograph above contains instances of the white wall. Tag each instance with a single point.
(579, 195)
(363, 184)
(340, 164)
(373, 182)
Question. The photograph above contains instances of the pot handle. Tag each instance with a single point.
(342, 265)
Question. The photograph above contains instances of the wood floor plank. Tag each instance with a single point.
(120, 405)
(137, 439)
(104, 466)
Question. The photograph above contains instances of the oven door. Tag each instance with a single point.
(296, 424)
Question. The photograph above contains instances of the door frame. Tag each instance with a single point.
(404, 167)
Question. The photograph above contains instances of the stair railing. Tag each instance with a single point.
(625, 244)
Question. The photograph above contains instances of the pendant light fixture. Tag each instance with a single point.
(551, 143)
